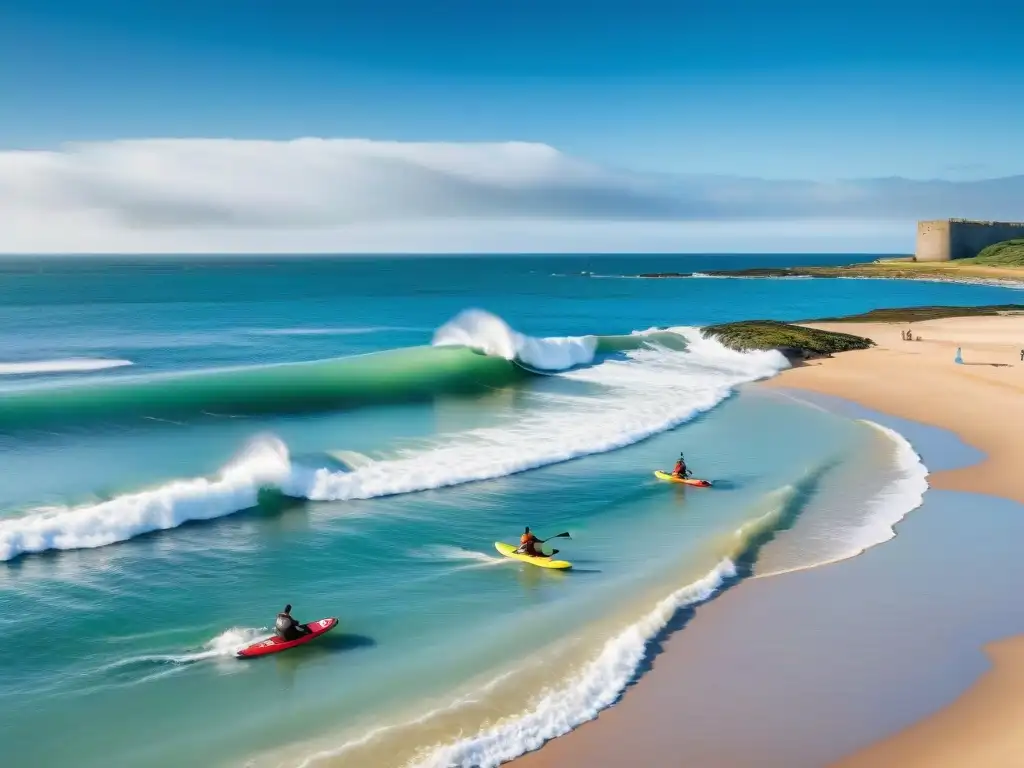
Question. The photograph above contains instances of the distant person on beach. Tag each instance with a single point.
(1022, 355)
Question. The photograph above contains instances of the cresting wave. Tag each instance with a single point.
(474, 352)
(651, 389)
(237, 487)
(384, 377)
(491, 335)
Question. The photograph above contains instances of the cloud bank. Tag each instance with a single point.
(352, 195)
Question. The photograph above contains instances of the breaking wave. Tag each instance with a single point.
(648, 390)
(491, 335)
(475, 352)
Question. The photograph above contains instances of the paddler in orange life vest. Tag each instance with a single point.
(528, 544)
(680, 470)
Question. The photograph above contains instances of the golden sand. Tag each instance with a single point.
(981, 401)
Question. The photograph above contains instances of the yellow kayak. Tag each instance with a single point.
(687, 480)
(508, 550)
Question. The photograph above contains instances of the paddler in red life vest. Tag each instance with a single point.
(680, 470)
(528, 544)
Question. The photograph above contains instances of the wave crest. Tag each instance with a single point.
(263, 463)
(487, 333)
(650, 389)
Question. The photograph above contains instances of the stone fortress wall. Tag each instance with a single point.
(946, 239)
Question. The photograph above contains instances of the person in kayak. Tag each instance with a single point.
(680, 470)
(287, 628)
(528, 544)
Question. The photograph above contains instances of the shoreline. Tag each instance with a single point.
(917, 381)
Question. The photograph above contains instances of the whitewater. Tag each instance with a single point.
(601, 681)
(644, 392)
(352, 436)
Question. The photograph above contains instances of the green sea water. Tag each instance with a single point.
(189, 445)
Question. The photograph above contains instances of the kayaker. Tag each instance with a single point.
(680, 469)
(528, 544)
(287, 628)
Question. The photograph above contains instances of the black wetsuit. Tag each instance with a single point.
(288, 628)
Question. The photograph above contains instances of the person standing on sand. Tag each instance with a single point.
(1022, 355)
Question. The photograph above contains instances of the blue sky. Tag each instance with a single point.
(813, 90)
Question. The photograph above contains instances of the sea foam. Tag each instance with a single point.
(487, 333)
(647, 391)
(899, 497)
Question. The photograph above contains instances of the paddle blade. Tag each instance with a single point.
(564, 535)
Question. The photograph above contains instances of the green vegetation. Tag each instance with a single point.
(791, 340)
(918, 314)
(1009, 253)
(1002, 261)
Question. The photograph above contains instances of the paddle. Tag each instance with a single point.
(563, 535)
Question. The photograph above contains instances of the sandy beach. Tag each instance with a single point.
(979, 401)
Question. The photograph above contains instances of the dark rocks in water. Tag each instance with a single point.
(796, 342)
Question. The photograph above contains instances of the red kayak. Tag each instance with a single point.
(276, 644)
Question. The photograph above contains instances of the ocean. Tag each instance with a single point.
(188, 444)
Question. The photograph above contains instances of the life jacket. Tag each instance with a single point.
(527, 541)
(284, 622)
(679, 468)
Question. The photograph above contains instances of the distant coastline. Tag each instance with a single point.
(897, 268)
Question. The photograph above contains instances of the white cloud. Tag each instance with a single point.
(338, 195)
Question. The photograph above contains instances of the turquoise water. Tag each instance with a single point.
(159, 511)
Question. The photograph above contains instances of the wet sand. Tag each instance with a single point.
(873, 661)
